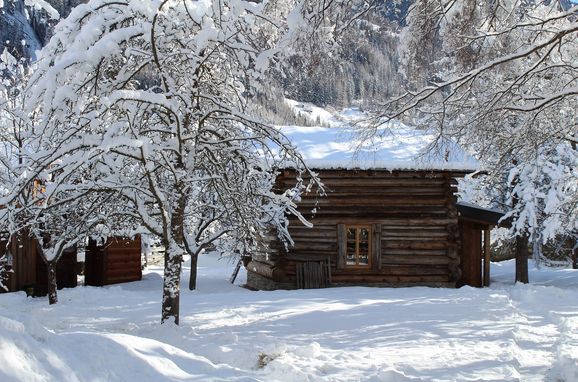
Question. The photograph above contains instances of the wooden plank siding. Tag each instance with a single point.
(65, 272)
(117, 260)
(414, 220)
(29, 270)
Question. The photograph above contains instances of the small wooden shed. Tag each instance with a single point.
(389, 218)
(475, 225)
(112, 260)
(29, 271)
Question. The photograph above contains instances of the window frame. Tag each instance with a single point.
(358, 227)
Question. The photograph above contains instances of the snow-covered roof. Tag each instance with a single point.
(397, 147)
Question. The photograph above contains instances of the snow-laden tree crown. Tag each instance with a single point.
(139, 120)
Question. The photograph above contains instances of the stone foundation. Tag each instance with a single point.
(256, 281)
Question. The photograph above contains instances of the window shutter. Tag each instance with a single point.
(341, 246)
(376, 247)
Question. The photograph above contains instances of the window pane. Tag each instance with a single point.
(351, 246)
(364, 234)
(364, 247)
(363, 259)
(350, 258)
(351, 234)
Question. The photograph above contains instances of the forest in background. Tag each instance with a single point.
(362, 67)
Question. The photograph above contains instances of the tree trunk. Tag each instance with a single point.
(575, 258)
(193, 276)
(174, 244)
(522, 258)
(171, 285)
(52, 285)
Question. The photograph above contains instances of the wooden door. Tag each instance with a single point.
(471, 256)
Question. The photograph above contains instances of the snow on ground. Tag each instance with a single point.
(503, 333)
(328, 117)
(314, 114)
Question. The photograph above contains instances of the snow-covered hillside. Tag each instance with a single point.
(338, 141)
(502, 333)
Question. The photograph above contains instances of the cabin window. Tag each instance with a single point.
(358, 246)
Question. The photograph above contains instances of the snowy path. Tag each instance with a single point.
(547, 335)
(502, 333)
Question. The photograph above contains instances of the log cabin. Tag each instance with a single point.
(389, 216)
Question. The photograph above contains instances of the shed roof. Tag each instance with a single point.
(488, 216)
(392, 148)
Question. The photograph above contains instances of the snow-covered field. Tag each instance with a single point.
(502, 333)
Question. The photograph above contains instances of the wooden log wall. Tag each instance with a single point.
(415, 212)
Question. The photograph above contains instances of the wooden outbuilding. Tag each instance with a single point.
(109, 261)
(28, 268)
(112, 260)
(389, 217)
(475, 225)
